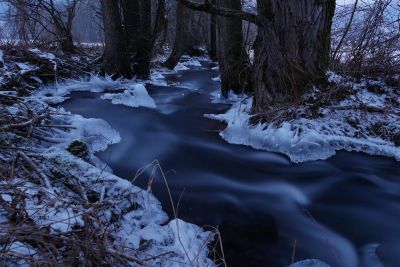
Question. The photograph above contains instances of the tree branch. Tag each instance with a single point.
(222, 11)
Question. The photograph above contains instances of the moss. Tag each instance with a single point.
(79, 149)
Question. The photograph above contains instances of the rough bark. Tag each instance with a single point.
(232, 57)
(291, 51)
(116, 57)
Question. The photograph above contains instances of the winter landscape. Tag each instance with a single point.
(200, 133)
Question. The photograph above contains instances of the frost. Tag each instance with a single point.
(136, 96)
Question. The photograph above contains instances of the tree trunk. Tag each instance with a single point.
(144, 47)
(213, 35)
(130, 11)
(232, 57)
(160, 26)
(116, 57)
(179, 42)
(291, 51)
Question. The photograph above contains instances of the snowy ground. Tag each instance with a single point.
(363, 117)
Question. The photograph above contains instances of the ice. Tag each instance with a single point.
(97, 133)
(217, 97)
(144, 223)
(135, 96)
(56, 93)
(309, 263)
(311, 139)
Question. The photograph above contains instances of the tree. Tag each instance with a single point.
(131, 19)
(232, 57)
(291, 50)
(116, 56)
(54, 17)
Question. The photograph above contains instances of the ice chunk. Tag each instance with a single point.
(136, 96)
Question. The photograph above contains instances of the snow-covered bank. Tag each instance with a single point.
(72, 187)
(363, 117)
(60, 205)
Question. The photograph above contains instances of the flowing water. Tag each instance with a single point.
(344, 210)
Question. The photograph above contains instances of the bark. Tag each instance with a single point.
(160, 25)
(131, 19)
(144, 47)
(291, 51)
(116, 57)
(232, 57)
(213, 35)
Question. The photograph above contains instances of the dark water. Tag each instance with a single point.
(344, 211)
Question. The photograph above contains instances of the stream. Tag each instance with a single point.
(344, 210)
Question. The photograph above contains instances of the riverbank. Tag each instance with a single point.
(59, 203)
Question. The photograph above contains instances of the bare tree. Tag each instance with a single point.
(292, 47)
(369, 42)
(54, 17)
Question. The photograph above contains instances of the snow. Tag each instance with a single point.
(45, 55)
(136, 96)
(307, 139)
